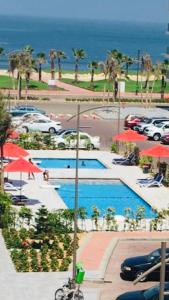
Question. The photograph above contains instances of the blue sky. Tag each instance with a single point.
(141, 10)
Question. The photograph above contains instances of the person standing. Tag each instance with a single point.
(31, 174)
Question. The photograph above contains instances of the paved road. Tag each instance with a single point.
(105, 128)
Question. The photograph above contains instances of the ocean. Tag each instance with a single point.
(95, 37)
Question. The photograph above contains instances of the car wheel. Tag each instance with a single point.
(144, 130)
(138, 274)
(61, 146)
(26, 129)
(52, 130)
(90, 147)
(156, 137)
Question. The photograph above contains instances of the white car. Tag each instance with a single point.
(42, 125)
(28, 117)
(142, 126)
(86, 141)
(156, 132)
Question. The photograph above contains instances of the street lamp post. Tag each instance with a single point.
(79, 112)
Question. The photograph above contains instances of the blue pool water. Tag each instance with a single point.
(48, 163)
(103, 195)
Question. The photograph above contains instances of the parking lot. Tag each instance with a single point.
(123, 250)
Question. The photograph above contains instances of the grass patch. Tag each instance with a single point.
(7, 83)
(99, 85)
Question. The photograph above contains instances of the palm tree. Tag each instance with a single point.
(1, 51)
(5, 124)
(13, 63)
(60, 55)
(147, 68)
(29, 49)
(52, 55)
(41, 59)
(78, 55)
(128, 61)
(93, 66)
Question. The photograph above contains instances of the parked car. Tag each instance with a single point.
(42, 125)
(28, 117)
(23, 109)
(131, 121)
(86, 141)
(133, 267)
(142, 126)
(149, 294)
(156, 132)
(64, 132)
(165, 139)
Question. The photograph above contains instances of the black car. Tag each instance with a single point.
(133, 267)
(150, 294)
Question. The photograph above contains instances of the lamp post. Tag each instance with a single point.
(79, 112)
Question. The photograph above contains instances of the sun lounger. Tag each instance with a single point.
(129, 157)
(147, 180)
(126, 162)
(157, 182)
(10, 187)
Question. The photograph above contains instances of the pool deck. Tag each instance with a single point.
(155, 196)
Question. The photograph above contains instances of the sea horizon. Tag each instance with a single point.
(96, 37)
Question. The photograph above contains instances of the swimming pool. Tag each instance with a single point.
(48, 163)
(103, 194)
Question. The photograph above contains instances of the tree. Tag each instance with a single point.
(78, 55)
(60, 55)
(41, 59)
(93, 66)
(52, 55)
(5, 206)
(25, 214)
(147, 68)
(41, 220)
(128, 62)
(5, 124)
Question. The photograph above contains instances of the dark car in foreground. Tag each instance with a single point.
(165, 139)
(133, 267)
(149, 294)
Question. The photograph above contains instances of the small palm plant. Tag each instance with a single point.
(95, 217)
(82, 212)
(78, 55)
(111, 222)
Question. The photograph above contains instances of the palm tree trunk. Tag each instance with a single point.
(76, 70)
(59, 68)
(52, 69)
(19, 87)
(162, 87)
(40, 72)
(2, 168)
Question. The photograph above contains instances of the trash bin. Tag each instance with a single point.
(79, 273)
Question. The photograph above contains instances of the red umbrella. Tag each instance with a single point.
(129, 136)
(156, 151)
(23, 166)
(13, 150)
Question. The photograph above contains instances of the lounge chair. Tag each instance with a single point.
(10, 187)
(115, 160)
(147, 180)
(127, 162)
(157, 182)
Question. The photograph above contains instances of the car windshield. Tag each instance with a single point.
(60, 131)
(150, 293)
(159, 125)
(153, 255)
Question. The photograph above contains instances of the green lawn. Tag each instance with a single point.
(6, 83)
(100, 84)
